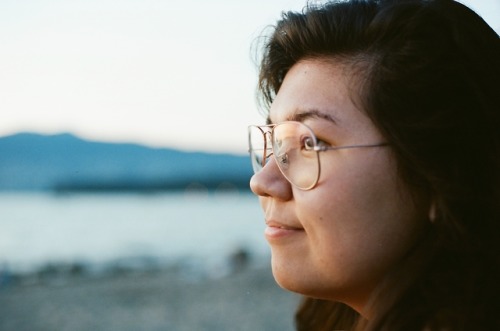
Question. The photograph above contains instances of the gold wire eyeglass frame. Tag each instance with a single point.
(268, 137)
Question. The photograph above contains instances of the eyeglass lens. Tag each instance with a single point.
(260, 147)
(290, 141)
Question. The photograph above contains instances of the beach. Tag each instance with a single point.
(245, 299)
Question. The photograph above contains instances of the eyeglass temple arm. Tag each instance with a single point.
(327, 148)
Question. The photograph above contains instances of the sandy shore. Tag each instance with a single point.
(153, 300)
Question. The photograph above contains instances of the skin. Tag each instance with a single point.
(338, 240)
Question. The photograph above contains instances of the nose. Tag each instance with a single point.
(270, 182)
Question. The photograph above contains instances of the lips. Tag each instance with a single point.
(276, 231)
(274, 224)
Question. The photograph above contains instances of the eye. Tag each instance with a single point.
(307, 143)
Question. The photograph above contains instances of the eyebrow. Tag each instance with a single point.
(303, 115)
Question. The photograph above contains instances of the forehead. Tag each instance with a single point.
(315, 87)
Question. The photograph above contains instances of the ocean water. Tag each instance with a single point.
(38, 229)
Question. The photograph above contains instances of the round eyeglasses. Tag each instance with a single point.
(295, 149)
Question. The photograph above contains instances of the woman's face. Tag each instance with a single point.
(339, 239)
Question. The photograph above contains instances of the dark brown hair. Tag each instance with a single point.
(428, 75)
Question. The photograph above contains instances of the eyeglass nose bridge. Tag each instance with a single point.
(268, 146)
(268, 135)
(266, 151)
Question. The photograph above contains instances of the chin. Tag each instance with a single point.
(295, 280)
(282, 274)
(290, 278)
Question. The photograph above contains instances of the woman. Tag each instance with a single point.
(378, 171)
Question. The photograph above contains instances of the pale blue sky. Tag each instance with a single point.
(159, 72)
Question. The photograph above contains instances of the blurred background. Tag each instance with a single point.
(124, 200)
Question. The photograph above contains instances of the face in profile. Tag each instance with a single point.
(337, 240)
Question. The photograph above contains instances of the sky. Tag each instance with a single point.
(162, 73)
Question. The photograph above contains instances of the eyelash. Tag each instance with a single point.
(306, 142)
(321, 142)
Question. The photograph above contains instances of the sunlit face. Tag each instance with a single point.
(338, 240)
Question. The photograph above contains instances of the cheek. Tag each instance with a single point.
(363, 192)
(354, 198)
(359, 223)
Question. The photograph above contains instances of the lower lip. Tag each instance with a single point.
(274, 233)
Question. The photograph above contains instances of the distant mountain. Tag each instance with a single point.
(64, 162)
